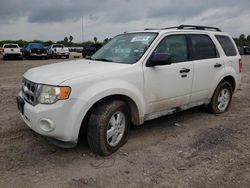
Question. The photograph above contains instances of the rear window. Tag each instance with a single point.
(203, 47)
(58, 46)
(10, 46)
(227, 45)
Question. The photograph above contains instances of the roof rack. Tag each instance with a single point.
(191, 27)
(197, 27)
(176, 27)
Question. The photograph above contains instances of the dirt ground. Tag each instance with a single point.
(188, 149)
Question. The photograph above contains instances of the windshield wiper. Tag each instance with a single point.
(102, 59)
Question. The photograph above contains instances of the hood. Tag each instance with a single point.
(57, 73)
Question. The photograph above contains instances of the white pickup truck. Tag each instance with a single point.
(137, 76)
(11, 51)
(58, 51)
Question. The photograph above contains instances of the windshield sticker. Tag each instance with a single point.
(140, 38)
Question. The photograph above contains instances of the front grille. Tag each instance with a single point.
(29, 90)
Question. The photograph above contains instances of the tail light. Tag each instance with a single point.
(240, 65)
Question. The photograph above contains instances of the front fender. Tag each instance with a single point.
(103, 89)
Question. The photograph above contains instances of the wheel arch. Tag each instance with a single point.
(230, 79)
(134, 110)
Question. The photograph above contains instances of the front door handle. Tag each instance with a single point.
(217, 65)
(184, 70)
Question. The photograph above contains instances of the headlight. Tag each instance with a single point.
(51, 94)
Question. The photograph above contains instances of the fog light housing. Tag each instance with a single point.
(46, 125)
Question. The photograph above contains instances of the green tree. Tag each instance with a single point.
(105, 40)
(66, 40)
(70, 38)
(95, 39)
(248, 40)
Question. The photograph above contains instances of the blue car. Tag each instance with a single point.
(35, 50)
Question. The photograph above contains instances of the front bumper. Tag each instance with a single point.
(37, 55)
(60, 121)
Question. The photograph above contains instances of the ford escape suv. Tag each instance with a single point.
(137, 76)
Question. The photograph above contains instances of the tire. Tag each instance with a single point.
(100, 123)
(67, 56)
(224, 93)
(4, 57)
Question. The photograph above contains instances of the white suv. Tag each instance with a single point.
(137, 76)
(58, 50)
(11, 50)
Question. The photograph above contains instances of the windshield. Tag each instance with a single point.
(126, 48)
(10, 46)
(36, 45)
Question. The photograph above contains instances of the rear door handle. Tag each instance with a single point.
(217, 65)
(184, 70)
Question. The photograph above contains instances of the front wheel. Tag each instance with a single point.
(108, 127)
(221, 99)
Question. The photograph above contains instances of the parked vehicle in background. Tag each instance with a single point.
(35, 50)
(246, 50)
(11, 51)
(134, 78)
(78, 49)
(90, 49)
(58, 51)
(241, 50)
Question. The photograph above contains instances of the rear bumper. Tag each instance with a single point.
(62, 53)
(12, 55)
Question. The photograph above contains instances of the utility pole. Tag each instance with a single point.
(82, 31)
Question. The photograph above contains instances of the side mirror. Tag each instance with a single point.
(159, 59)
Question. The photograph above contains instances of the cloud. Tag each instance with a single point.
(117, 15)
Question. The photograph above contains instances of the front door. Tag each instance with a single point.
(169, 86)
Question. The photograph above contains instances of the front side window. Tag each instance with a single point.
(227, 45)
(175, 46)
(127, 48)
(203, 47)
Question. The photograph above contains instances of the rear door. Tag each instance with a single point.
(207, 66)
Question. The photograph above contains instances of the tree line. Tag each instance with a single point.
(67, 41)
(242, 40)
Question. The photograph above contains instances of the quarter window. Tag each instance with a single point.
(175, 46)
(227, 45)
(203, 47)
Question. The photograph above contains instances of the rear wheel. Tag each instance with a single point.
(221, 99)
(67, 56)
(108, 127)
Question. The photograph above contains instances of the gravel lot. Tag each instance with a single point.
(188, 149)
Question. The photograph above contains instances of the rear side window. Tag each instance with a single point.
(227, 45)
(203, 47)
